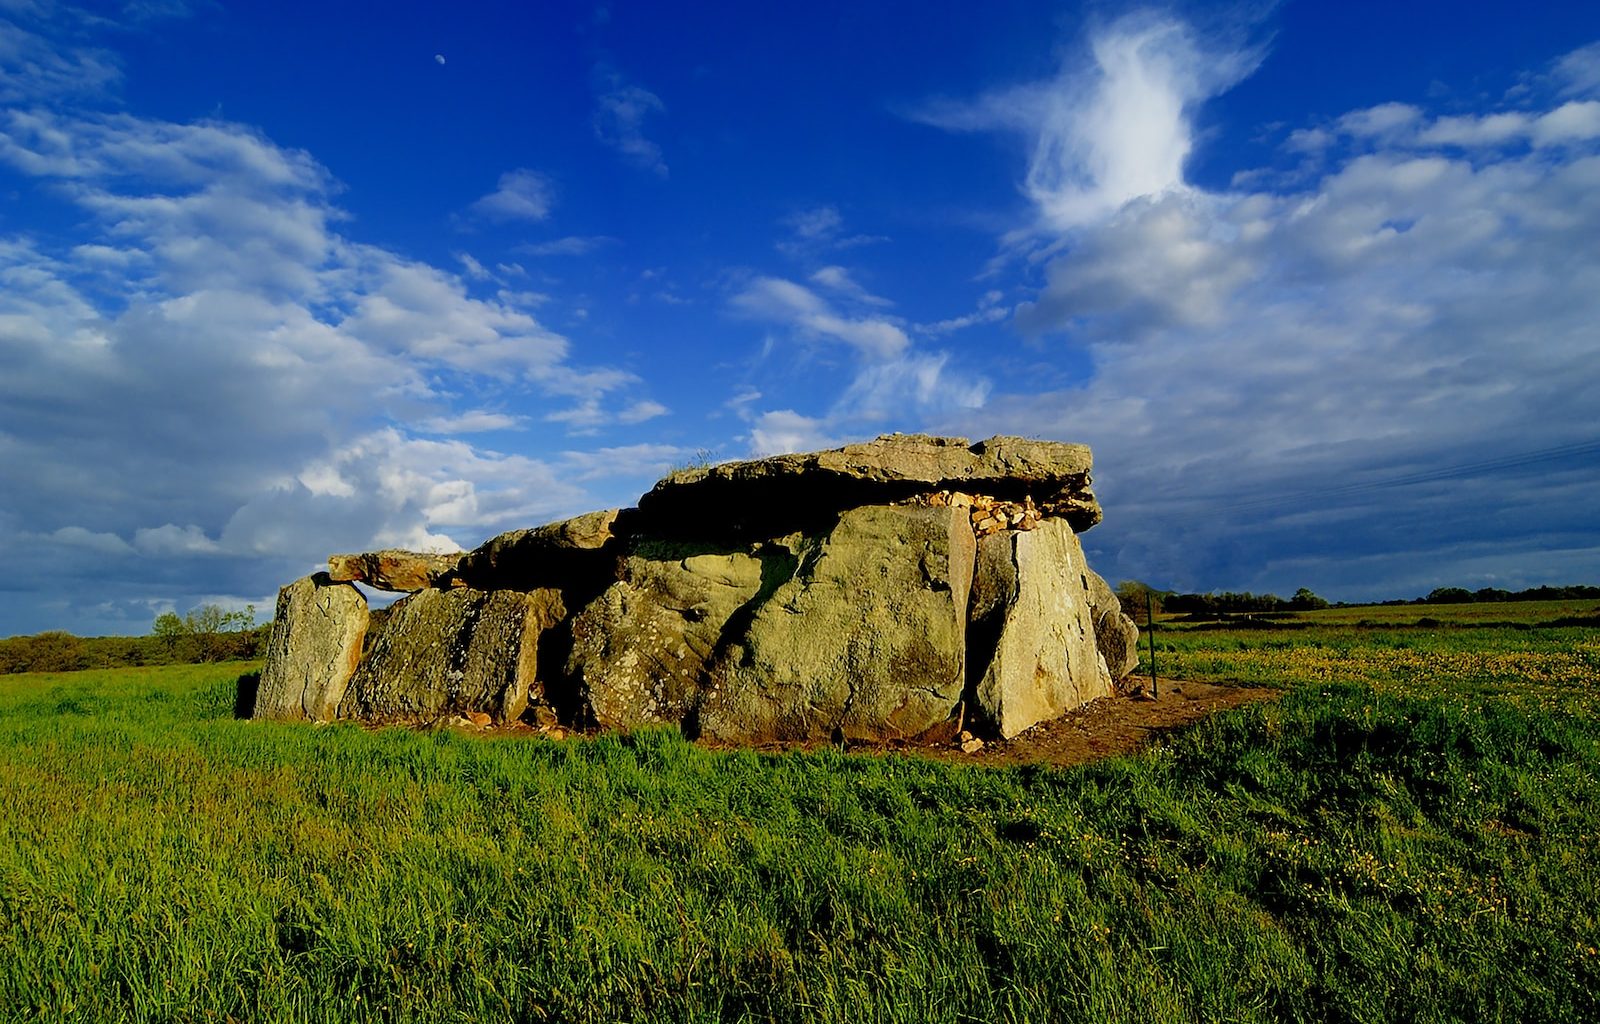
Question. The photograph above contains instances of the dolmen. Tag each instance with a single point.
(875, 592)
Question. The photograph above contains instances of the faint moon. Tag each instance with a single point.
(439, 57)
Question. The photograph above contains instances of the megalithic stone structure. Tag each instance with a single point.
(863, 591)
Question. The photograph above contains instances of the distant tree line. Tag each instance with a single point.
(1491, 595)
(207, 633)
(1135, 597)
(1139, 598)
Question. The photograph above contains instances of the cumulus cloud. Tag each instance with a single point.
(212, 386)
(519, 195)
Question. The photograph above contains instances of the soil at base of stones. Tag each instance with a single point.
(1120, 724)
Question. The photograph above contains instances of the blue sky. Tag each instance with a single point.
(1318, 282)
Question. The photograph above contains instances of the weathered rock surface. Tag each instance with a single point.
(1032, 596)
(639, 651)
(1115, 634)
(554, 555)
(452, 652)
(867, 637)
(780, 493)
(402, 571)
(315, 644)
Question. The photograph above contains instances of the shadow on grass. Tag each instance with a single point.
(244, 697)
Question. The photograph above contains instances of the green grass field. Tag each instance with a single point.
(1408, 834)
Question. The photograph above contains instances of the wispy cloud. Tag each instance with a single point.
(818, 230)
(520, 195)
(620, 113)
(571, 245)
(1113, 127)
(785, 302)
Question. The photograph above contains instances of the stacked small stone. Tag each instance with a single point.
(989, 515)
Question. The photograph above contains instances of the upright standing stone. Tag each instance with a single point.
(315, 644)
(1115, 634)
(453, 652)
(867, 637)
(639, 650)
(1033, 589)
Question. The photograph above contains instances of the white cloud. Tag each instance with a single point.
(784, 430)
(1384, 121)
(838, 279)
(31, 69)
(520, 194)
(171, 539)
(647, 460)
(989, 311)
(620, 112)
(1114, 127)
(212, 368)
(475, 421)
(1578, 72)
(1404, 308)
(780, 301)
(917, 383)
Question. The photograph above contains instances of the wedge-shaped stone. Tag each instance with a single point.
(1032, 602)
(315, 644)
(639, 651)
(561, 554)
(451, 652)
(391, 569)
(866, 638)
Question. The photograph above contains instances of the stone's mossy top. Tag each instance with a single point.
(909, 458)
(877, 591)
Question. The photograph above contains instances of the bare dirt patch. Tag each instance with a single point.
(1113, 725)
(1119, 724)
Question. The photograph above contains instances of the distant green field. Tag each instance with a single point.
(1416, 845)
(1525, 612)
(1404, 614)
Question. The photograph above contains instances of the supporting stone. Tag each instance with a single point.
(452, 652)
(866, 639)
(317, 631)
(1033, 595)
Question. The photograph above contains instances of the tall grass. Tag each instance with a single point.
(1345, 854)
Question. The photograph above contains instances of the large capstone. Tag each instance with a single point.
(772, 496)
(453, 652)
(866, 638)
(1033, 605)
(317, 631)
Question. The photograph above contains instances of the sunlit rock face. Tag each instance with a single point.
(867, 592)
